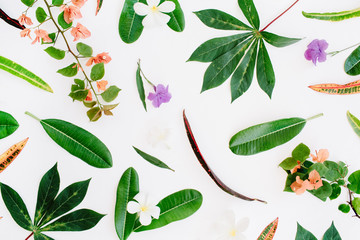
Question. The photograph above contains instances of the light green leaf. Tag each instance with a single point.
(332, 233)
(28, 3)
(152, 160)
(301, 152)
(8, 124)
(319, 167)
(354, 180)
(97, 72)
(177, 18)
(55, 53)
(345, 208)
(94, 114)
(110, 94)
(303, 234)
(40, 14)
(57, 2)
(288, 164)
(322, 192)
(130, 24)
(21, 72)
(250, 12)
(84, 49)
(352, 63)
(336, 191)
(354, 122)
(264, 70)
(278, 41)
(62, 22)
(69, 71)
(334, 16)
(334, 171)
(140, 86)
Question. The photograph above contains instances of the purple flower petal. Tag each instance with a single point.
(316, 51)
(160, 96)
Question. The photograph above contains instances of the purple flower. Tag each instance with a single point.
(316, 51)
(160, 96)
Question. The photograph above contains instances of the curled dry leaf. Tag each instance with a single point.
(337, 89)
(9, 156)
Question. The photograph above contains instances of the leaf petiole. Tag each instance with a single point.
(32, 115)
(314, 117)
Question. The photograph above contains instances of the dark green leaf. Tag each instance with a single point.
(303, 234)
(55, 53)
(242, 78)
(41, 236)
(352, 63)
(48, 189)
(290, 179)
(140, 86)
(152, 160)
(110, 94)
(249, 11)
(220, 20)
(301, 152)
(57, 2)
(69, 71)
(40, 14)
(214, 48)
(97, 72)
(354, 180)
(79, 220)
(79, 95)
(84, 49)
(264, 70)
(332, 233)
(336, 190)
(175, 207)
(288, 163)
(16, 207)
(28, 3)
(278, 41)
(62, 22)
(127, 189)
(130, 24)
(8, 124)
(345, 208)
(177, 18)
(94, 114)
(354, 122)
(322, 192)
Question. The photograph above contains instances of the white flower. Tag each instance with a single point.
(153, 12)
(144, 208)
(158, 136)
(229, 229)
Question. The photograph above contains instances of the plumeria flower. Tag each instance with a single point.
(23, 19)
(25, 33)
(101, 85)
(314, 182)
(80, 32)
(316, 51)
(321, 156)
(230, 229)
(146, 209)
(160, 96)
(158, 136)
(41, 34)
(101, 57)
(153, 12)
(70, 13)
(78, 3)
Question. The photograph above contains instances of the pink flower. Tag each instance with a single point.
(71, 13)
(80, 32)
(78, 3)
(101, 85)
(314, 182)
(25, 33)
(41, 34)
(321, 156)
(101, 57)
(23, 19)
(89, 96)
(296, 168)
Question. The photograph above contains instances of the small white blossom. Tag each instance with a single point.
(146, 209)
(230, 229)
(153, 12)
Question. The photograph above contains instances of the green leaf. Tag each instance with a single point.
(41, 236)
(21, 72)
(79, 95)
(127, 189)
(28, 3)
(84, 49)
(69, 71)
(140, 86)
(269, 232)
(94, 114)
(343, 169)
(222, 67)
(89, 104)
(356, 205)
(345, 208)
(319, 167)
(332, 233)
(79, 220)
(243, 75)
(8, 124)
(264, 70)
(334, 171)
(249, 11)
(220, 20)
(301, 152)
(354, 180)
(130, 24)
(62, 22)
(288, 164)
(266, 136)
(278, 41)
(55, 53)
(78, 142)
(152, 160)
(16, 207)
(110, 94)
(40, 14)
(352, 63)
(177, 18)
(175, 207)
(354, 122)
(334, 16)
(303, 234)
(48, 189)
(57, 2)
(97, 72)
(214, 48)
(52, 36)
(68, 199)
(322, 192)
(336, 191)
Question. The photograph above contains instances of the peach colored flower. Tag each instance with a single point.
(297, 167)
(80, 32)
(77, 66)
(23, 19)
(101, 57)
(315, 179)
(89, 96)
(25, 33)
(78, 3)
(101, 85)
(41, 34)
(70, 13)
(300, 186)
(321, 156)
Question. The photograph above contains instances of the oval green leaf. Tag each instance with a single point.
(130, 24)
(334, 16)
(97, 72)
(84, 49)
(302, 234)
(69, 71)
(40, 14)
(345, 208)
(352, 63)
(332, 233)
(62, 22)
(28, 3)
(152, 160)
(354, 180)
(55, 53)
(57, 2)
(110, 94)
(8, 124)
(322, 192)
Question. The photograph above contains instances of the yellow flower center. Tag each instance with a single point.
(144, 208)
(233, 233)
(154, 9)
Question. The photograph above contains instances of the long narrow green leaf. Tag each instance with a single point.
(177, 18)
(21, 72)
(354, 122)
(127, 189)
(130, 24)
(334, 16)
(140, 86)
(249, 10)
(278, 41)
(264, 70)
(8, 124)
(352, 63)
(152, 160)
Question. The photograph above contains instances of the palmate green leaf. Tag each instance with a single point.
(41, 236)
(242, 78)
(78, 142)
(48, 189)
(332, 233)
(175, 207)
(250, 12)
(177, 18)
(334, 16)
(62, 22)
(322, 192)
(68, 199)
(8, 124)
(222, 67)
(110, 94)
(352, 63)
(266, 136)
(220, 20)
(354, 122)
(269, 232)
(278, 41)
(21, 72)
(79, 220)
(16, 207)
(127, 189)
(140, 86)
(354, 180)
(152, 160)
(55, 53)
(214, 48)
(303, 234)
(130, 24)
(264, 70)
(40, 14)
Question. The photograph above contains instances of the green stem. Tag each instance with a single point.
(316, 116)
(336, 52)
(33, 116)
(142, 73)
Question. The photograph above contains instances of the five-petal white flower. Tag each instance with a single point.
(144, 208)
(153, 12)
(229, 229)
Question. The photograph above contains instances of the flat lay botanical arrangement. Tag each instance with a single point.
(111, 126)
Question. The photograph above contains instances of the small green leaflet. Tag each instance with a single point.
(110, 94)
(354, 122)
(69, 71)
(334, 16)
(84, 49)
(62, 22)
(97, 72)
(40, 14)
(152, 160)
(55, 53)
(21, 72)
(352, 63)
(8, 124)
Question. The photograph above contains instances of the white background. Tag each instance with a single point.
(214, 120)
